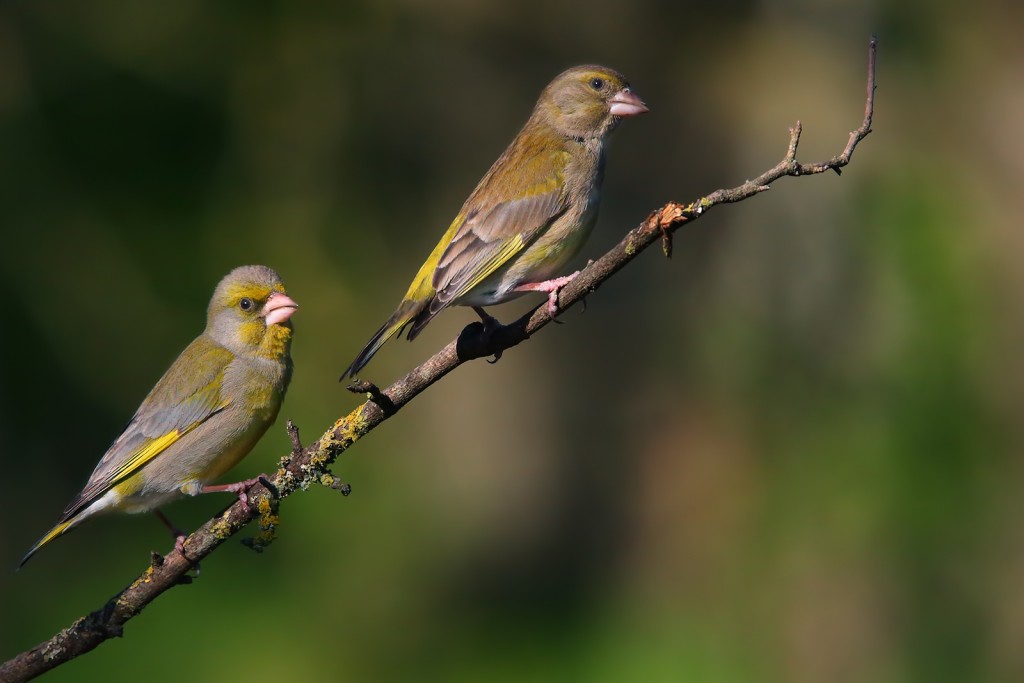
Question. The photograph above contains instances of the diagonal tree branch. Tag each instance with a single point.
(309, 465)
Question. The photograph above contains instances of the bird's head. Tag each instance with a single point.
(250, 313)
(588, 102)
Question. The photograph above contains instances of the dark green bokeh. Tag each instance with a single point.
(788, 454)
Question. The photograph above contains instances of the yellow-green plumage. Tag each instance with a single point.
(530, 214)
(207, 411)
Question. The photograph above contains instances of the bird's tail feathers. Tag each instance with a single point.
(53, 533)
(424, 316)
(407, 312)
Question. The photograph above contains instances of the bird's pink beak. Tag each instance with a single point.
(626, 103)
(279, 308)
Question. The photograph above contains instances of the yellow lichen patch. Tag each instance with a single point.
(342, 423)
(350, 429)
(320, 458)
(698, 207)
(222, 528)
(268, 524)
(269, 521)
(146, 577)
(283, 479)
(263, 506)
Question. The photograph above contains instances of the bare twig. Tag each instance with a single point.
(293, 436)
(305, 466)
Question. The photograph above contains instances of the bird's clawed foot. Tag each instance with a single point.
(490, 324)
(179, 543)
(179, 540)
(551, 288)
(239, 488)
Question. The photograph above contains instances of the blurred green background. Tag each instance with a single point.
(788, 454)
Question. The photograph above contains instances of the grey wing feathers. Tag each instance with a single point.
(172, 405)
(487, 240)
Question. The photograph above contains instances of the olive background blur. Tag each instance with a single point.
(788, 454)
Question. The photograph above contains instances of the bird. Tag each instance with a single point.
(205, 413)
(529, 215)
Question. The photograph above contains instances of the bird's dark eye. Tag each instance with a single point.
(596, 83)
(246, 304)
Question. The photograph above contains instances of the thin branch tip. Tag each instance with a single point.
(332, 482)
(794, 141)
(373, 394)
(293, 436)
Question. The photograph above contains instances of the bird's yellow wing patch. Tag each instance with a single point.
(132, 464)
(139, 458)
(167, 415)
(487, 241)
(150, 448)
(508, 249)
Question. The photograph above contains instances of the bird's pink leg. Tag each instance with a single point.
(239, 487)
(551, 287)
(179, 535)
(179, 538)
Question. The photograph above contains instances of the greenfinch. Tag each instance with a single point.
(207, 411)
(531, 212)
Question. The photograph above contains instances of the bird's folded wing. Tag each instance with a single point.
(493, 233)
(186, 396)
